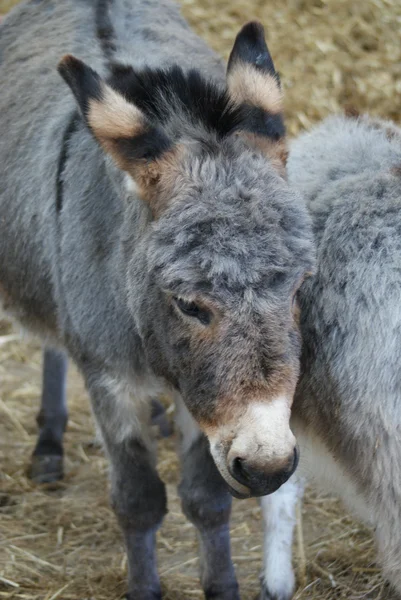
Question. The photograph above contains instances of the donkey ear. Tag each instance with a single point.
(251, 76)
(253, 81)
(119, 126)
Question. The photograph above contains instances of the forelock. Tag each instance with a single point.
(163, 93)
(235, 225)
(185, 101)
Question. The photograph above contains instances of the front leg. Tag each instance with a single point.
(206, 502)
(47, 458)
(138, 495)
(278, 510)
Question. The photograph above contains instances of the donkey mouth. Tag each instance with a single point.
(236, 494)
(271, 486)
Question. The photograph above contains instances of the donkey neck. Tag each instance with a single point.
(153, 34)
(90, 249)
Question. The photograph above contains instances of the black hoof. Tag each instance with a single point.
(148, 595)
(46, 468)
(229, 593)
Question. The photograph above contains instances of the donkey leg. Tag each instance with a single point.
(47, 459)
(387, 529)
(159, 418)
(206, 502)
(137, 494)
(278, 509)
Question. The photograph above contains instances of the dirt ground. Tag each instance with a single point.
(64, 542)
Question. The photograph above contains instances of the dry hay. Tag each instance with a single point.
(64, 542)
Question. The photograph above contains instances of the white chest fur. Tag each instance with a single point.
(320, 467)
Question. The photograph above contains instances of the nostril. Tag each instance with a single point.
(239, 471)
(295, 460)
(237, 464)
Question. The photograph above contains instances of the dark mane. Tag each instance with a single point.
(163, 93)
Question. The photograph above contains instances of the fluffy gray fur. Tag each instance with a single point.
(347, 409)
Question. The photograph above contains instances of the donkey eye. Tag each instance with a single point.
(191, 309)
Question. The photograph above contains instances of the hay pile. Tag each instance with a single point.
(64, 542)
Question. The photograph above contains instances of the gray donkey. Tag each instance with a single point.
(152, 234)
(347, 407)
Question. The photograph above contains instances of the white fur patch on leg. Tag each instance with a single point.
(131, 405)
(278, 511)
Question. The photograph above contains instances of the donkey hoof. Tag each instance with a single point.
(148, 595)
(46, 468)
(229, 593)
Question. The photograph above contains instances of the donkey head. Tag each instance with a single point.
(217, 248)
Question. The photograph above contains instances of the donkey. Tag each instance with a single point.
(347, 407)
(147, 229)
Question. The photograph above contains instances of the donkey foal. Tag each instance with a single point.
(347, 407)
(151, 234)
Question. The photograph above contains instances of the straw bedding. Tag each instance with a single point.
(63, 542)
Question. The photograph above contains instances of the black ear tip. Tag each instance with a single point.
(69, 61)
(250, 47)
(253, 30)
(70, 64)
(84, 82)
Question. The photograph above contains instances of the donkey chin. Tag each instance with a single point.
(257, 453)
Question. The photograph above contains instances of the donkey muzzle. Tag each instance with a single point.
(257, 452)
(259, 481)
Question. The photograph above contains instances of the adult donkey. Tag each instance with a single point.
(347, 407)
(153, 236)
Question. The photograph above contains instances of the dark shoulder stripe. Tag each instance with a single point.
(104, 28)
(69, 130)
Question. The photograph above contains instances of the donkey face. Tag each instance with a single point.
(213, 274)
